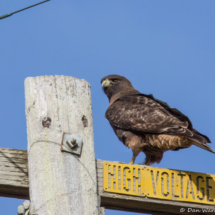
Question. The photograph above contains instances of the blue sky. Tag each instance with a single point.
(166, 48)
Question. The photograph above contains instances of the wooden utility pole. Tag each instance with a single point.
(58, 110)
(60, 182)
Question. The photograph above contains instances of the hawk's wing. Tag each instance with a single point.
(139, 113)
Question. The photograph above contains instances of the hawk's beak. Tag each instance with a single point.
(106, 83)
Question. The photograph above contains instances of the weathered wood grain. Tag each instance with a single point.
(102, 211)
(14, 173)
(60, 183)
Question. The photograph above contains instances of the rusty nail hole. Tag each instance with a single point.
(46, 122)
(85, 121)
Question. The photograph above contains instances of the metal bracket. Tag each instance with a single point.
(71, 143)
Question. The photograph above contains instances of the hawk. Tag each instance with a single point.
(146, 124)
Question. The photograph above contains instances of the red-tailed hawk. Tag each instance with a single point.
(146, 124)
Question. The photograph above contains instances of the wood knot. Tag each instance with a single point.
(46, 122)
(85, 121)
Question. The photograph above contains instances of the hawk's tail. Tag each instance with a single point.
(203, 146)
(201, 141)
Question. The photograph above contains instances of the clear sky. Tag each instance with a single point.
(166, 48)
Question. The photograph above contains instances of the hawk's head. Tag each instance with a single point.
(116, 84)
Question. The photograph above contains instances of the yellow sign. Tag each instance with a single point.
(159, 183)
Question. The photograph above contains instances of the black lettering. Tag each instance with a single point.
(136, 180)
(190, 186)
(126, 179)
(153, 181)
(173, 187)
(112, 177)
(167, 183)
(208, 191)
(182, 188)
(119, 177)
(197, 188)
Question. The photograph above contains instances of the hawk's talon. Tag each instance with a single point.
(144, 164)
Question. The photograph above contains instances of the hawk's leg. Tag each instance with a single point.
(148, 162)
(132, 142)
(152, 158)
(132, 160)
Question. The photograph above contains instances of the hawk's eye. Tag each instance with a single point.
(115, 81)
